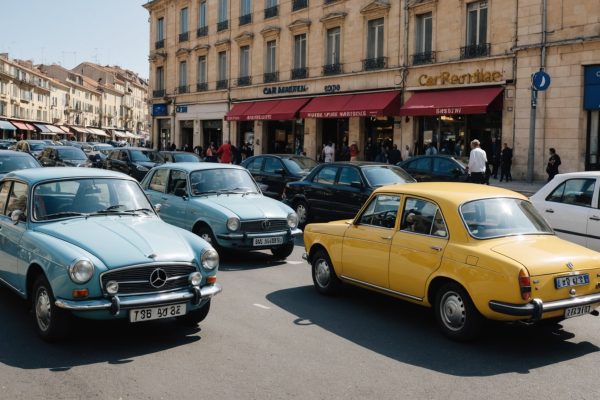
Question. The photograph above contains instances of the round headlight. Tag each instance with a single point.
(292, 220)
(233, 223)
(195, 278)
(210, 259)
(81, 271)
(112, 287)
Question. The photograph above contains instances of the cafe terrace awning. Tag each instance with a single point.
(7, 126)
(55, 129)
(449, 102)
(353, 105)
(120, 134)
(44, 130)
(97, 132)
(79, 129)
(23, 126)
(277, 110)
(65, 129)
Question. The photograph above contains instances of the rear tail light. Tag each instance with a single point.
(525, 284)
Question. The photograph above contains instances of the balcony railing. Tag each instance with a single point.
(475, 51)
(271, 12)
(299, 4)
(159, 44)
(221, 26)
(182, 89)
(202, 31)
(201, 87)
(330, 1)
(244, 81)
(159, 93)
(222, 84)
(427, 57)
(245, 19)
(332, 69)
(184, 37)
(299, 73)
(371, 64)
(270, 77)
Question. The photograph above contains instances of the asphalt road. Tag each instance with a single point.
(269, 335)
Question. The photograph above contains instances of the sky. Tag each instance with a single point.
(68, 32)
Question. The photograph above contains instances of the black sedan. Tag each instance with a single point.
(179, 156)
(63, 156)
(338, 190)
(13, 160)
(133, 161)
(439, 168)
(274, 171)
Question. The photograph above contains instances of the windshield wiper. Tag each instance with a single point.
(146, 210)
(63, 214)
(198, 193)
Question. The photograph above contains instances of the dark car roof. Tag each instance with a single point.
(134, 148)
(448, 156)
(360, 164)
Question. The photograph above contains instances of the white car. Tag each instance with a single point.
(569, 202)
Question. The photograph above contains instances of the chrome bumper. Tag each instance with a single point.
(243, 236)
(116, 303)
(537, 307)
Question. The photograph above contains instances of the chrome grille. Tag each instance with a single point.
(264, 225)
(136, 280)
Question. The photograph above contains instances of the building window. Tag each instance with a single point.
(160, 33)
(159, 82)
(271, 9)
(244, 78)
(332, 52)
(223, 20)
(245, 12)
(271, 62)
(424, 33)
(183, 77)
(299, 4)
(300, 70)
(183, 25)
(202, 18)
(201, 85)
(222, 69)
(476, 45)
(375, 58)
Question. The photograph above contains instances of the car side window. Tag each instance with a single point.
(159, 180)
(124, 156)
(4, 196)
(349, 175)
(381, 211)
(272, 165)
(443, 166)
(254, 165)
(422, 164)
(326, 176)
(577, 192)
(423, 217)
(177, 183)
(17, 199)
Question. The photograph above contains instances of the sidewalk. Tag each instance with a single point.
(519, 186)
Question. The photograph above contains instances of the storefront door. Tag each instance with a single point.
(212, 132)
(592, 163)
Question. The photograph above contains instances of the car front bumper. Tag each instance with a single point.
(245, 240)
(537, 307)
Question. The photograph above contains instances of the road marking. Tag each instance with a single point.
(261, 306)
(295, 262)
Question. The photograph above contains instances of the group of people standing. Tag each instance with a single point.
(387, 153)
(225, 153)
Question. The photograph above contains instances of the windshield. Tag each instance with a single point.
(186, 157)
(72, 153)
(386, 175)
(37, 146)
(102, 148)
(12, 163)
(144, 156)
(84, 197)
(490, 218)
(298, 165)
(224, 180)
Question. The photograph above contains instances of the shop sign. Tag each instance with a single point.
(338, 114)
(332, 88)
(591, 96)
(446, 78)
(159, 110)
(285, 89)
(181, 109)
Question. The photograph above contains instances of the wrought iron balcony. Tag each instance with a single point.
(202, 31)
(330, 1)
(184, 37)
(475, 51)
(299, 4)
(271, 12)
(201, 87)
(300, 73)
(221, 26)
(332, 69)
(222, 84)
(159, 93)
(245, 19)
(244, 81)
(159, 44)
(371, 64)
(427, 57)
(182, 89)
(270, 77)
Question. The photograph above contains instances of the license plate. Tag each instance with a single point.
(572, 280)
(577, 311)
(269, 241)
(148, 314)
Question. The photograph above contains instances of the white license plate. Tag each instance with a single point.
(572, 280)
(577, 311)
(268, 241)
(148, 314)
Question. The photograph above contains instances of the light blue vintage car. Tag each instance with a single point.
(86, 242)
(222, 204)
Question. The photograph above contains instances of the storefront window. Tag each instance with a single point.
(285, 137)
(212, 132)
(379, 132)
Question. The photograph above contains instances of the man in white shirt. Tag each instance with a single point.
(477, 162)
(328, 153)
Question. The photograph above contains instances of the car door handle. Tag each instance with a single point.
(549, 210)
(436, 248)
(595, 218)
(386, 237)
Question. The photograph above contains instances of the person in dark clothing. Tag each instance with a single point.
(382, 157)
(553, 163)
(173, 147)
(506, 156)
(495, 157)
(369, 150)
(394, 156)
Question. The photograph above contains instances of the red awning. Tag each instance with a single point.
(22, 126)
(277, 110)
(447, 102)
(353, 105)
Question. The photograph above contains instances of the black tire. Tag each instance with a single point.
(51, 323)
(282, 252)
(301, 210)
(206, 233)
(193, 318)
(323, 274)
(456, 314)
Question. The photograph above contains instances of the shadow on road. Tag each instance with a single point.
(248, 260)
(91, 342)
(408, 333)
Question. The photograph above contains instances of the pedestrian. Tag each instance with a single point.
(344, 152)
(495, 157)
(431, 150)
(382, 157)
(553, 163)
(211, 151)
(224, 153)
(477, 163)
(173, 147)
(369, 150)
(394, 156)
(328, 153)
(458, 148)
(406, 153)
(506, 156)
(354, 151)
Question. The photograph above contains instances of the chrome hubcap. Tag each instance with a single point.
(301, 212)
(452, 310)
(322, 273)
(43, 310)
(206, 237)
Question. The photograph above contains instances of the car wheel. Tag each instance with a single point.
(51, 322)
(206, 233)
(323, 274)
(301, 209)
(456, 314)
(282, 252)
(194, 317)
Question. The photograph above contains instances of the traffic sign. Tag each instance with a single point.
(540, 81)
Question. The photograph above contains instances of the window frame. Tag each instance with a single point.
(376, 35)
(183, 73)
(202, 69)
(149, 186)
(244, 61)
(300, 46)
(438, 210)
(271, 56)
(160, 29)
(332, 56)
(563, 184)
(222, 11)
(358, 222)
(9, 186)
(421, 32)
(316, 176)
(477, 7)
(183, 20)
(202, 14)
(222, 65)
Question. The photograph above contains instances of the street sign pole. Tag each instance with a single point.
(531, 153)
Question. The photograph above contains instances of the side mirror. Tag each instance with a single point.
(356, 184)
(157, 207)
(180, 192)
(16, 216)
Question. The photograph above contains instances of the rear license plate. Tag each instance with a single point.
(269, 241)
(148, 314)
(571, 280)
(577, 311)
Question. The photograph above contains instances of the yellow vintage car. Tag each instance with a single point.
(469, 251)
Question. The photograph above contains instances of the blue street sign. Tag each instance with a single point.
(540, 81)
(591, 97)
(159, 110)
